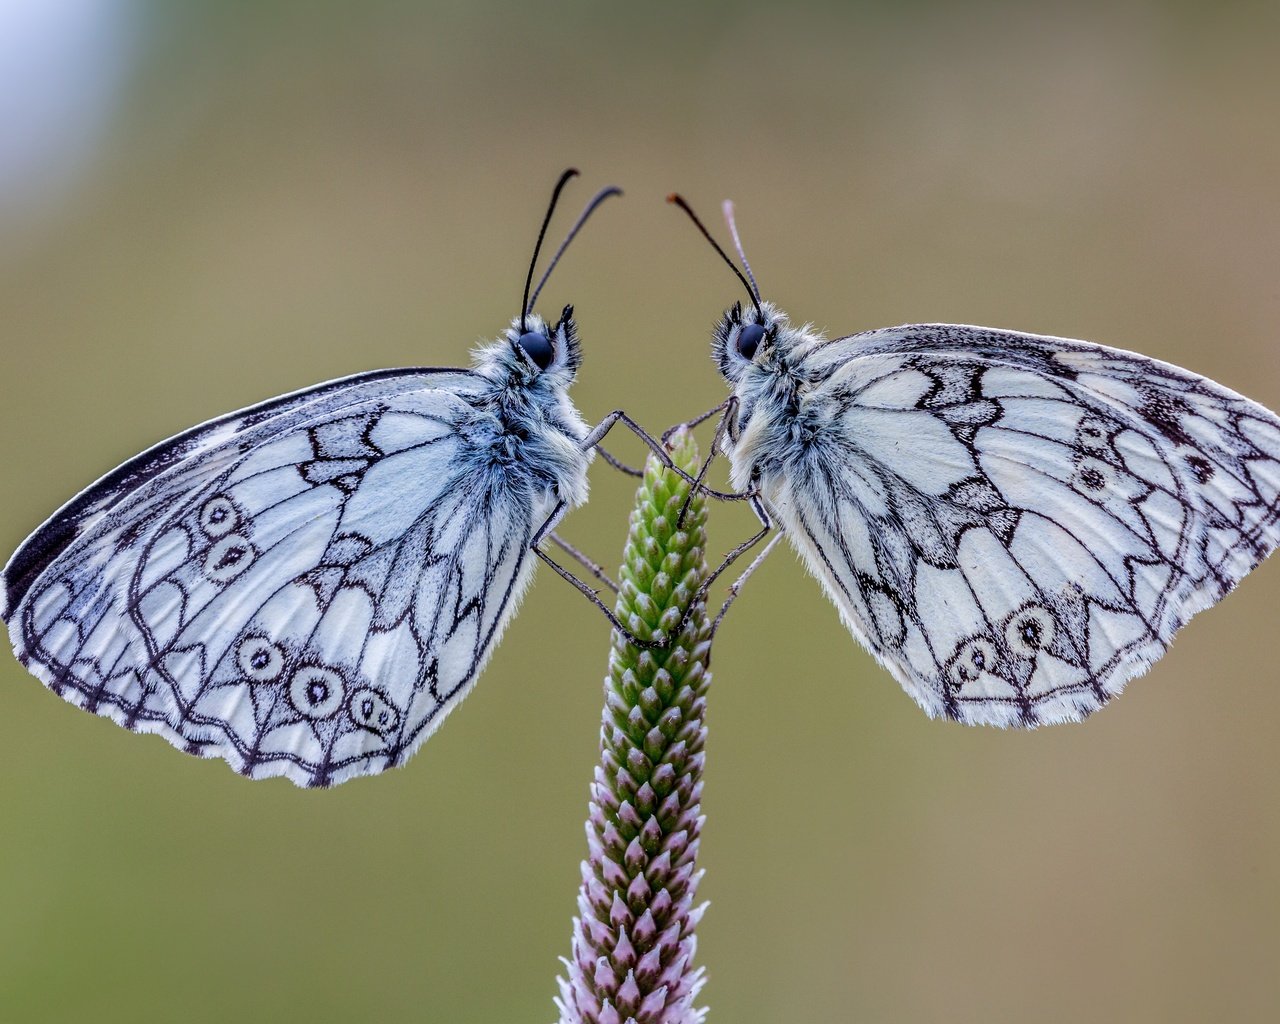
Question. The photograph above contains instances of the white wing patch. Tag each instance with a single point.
(1017, 525)
(304, 592)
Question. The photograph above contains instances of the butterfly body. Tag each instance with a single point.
(1014, 525)
(524, 428)
(307, 587)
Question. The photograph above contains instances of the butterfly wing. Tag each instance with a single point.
(304, 588)
(1016, 525)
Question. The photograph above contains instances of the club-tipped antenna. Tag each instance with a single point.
(587, 211)
(571, 172)
(679, 201)
(727, 208)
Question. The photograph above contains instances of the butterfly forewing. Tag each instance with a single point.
(1015, 525)
(303, 589)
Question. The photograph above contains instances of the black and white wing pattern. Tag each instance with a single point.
(304, 588)
(1014, 525)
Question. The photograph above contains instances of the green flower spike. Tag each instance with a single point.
(633, 938)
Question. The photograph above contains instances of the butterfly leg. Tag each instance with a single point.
(701, 418)
(602, 428)
(736, 587)
(754, 499)
(727, 421)
(535, 545)
(758, 506)
(618, 464)
(591, 567)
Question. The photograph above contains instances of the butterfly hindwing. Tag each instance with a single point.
(1016, 525)
(305, 588)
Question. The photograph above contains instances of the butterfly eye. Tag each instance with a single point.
(538, 348)
(749, 340)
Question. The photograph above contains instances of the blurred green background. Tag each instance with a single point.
(205, 204)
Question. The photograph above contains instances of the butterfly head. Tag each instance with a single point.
(745, 340)
(748, 338)
(532, 352)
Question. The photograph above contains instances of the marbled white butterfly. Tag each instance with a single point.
(1014, 525)
(308, 586)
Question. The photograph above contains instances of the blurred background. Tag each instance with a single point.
(208, 203)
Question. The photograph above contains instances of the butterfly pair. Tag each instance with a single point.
(1014, 525)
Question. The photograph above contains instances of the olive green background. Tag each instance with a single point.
(297, 191)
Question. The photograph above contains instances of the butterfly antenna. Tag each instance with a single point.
(678, 199)
(727, 207)
(587, 211)
(572, 172)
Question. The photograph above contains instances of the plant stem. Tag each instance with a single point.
(633, 939)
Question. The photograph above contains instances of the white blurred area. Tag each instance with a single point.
(63, 68)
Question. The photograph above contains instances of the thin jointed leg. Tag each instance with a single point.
(766, 524)
(618, 464)
(762, 513)
(557, 514)
(618, 416)
(591, 567)
(690, 424)
(736, 586)
(751, 496)
(730, 409)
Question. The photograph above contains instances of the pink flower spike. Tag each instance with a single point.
(633, 940)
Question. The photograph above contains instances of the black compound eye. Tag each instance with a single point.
(749, 340)
(538, 348)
